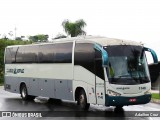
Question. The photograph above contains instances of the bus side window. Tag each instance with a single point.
(56, 53)
(84, 56)
(8, 56)
(63, 52)
(98, 65)
(46, 53)
(27, 54)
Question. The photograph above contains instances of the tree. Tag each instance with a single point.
(39, 37)
(42, 37)
(19, 38)
(33, 38)
(74, 28)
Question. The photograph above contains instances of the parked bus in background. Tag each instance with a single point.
(96, 70)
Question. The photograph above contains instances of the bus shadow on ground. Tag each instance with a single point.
(59, 108)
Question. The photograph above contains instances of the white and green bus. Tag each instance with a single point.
(89, 70)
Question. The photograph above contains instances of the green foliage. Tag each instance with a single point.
(4, 43)
(74, 28)
(155, 95)
(18, 38)
(39, 38)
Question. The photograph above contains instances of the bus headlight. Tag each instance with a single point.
(112, 93)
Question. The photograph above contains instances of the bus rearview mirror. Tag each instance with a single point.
(153, 53)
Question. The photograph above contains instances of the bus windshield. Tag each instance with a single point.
(127, 65)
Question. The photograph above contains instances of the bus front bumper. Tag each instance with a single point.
(121, 101)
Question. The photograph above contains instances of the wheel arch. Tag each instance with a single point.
(77, 92)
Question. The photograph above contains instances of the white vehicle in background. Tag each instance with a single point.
(96, 70)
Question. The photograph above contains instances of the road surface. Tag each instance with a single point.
(63, 109)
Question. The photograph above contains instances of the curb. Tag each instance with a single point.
(155, 101)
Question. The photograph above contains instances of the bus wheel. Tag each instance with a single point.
(82, 100)
(24, 93)
(118, 108)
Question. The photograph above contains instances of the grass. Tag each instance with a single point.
(155, 96)
(1, 84)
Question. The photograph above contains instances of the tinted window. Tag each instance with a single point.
(123, 50)
(63, 53)
(98, 65)
(51, 53)
(46, 53)
(27, 54)
(84, 56)
(10, 55)
(56, 53)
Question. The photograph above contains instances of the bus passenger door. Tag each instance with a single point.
(99, 79)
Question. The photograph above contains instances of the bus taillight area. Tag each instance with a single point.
(124, 101)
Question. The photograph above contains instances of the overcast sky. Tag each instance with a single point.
(137, 20)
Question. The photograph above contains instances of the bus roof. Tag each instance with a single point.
(104, 41)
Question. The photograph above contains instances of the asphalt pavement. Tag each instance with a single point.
(67, 110)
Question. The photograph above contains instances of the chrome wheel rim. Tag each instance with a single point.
(82, 101)
(24, 92)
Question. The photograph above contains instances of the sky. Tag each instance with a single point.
(137, 20)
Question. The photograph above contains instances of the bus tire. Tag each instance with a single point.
(24, 93)
(55, 101)
(119, 108)
(82, 100)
